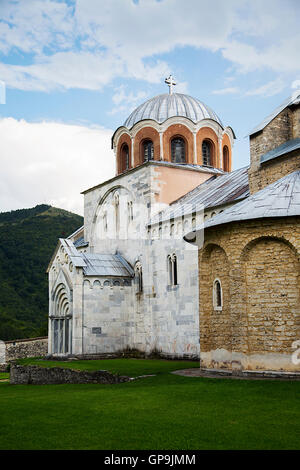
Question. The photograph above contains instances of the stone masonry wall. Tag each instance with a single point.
(22, 348)
(284, 127)
(260, 317)
(273, 170)
(24, 375)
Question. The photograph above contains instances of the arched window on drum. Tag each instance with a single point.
(207, 153)
(148, 150)
(124, 157)
(226, 158)
(178, 150)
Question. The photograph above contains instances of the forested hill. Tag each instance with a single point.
(28, 238)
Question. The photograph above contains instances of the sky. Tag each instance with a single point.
(72, 71)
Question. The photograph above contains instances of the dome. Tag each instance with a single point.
(164, 106)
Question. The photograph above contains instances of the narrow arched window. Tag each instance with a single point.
(105, 221)
(125, 157)
(117, 212)
(129, 211)
(217, 295)
(225, 158)
(178, 150)
(148, 150)
(206, 153)
(139, 277)
(172, 269)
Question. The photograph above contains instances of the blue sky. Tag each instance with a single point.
(74, 70)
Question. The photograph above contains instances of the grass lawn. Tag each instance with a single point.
(163, 412)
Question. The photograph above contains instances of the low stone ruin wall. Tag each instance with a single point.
(58, 375)
(22, 348)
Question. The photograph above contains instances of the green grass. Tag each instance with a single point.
(4, 375)
(130, 367)
(161, 412)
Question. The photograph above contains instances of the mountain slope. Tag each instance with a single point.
(28, 238)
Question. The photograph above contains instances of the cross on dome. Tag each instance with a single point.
(170, 82)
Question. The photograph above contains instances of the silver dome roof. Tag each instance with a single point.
(162, 107)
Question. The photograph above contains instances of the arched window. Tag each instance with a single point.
(139, 277)
(172, 269)
(129, 211)
(172, 229)
(206, 153)
(178, 150)
(124, 157)
(148, 151)
(104, 221)
(225, 158)
(217, 295)
(117, 212)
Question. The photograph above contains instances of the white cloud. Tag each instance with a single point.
(88, 43)
(268, 89)
(226, 91)
(51, 162)
(126, 101)
(295, 84)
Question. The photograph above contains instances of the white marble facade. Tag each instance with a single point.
(141, 299)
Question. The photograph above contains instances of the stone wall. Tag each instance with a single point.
(24, 375)
(273, 170)
(22, 348)
(2, 353)
(257, 263)
(282, 128)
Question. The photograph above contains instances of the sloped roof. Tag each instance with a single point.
(283, 149)
(214, 192)
(294, 99)
(95, 264)
(280, 199)
(80, 242)
(106, 265)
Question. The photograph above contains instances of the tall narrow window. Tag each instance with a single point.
(139, 277)
(148, 151)
(172, 268)
(206, 153)
(105, 221)
(217, 295)
(117, 212)
(130, 211)
(178, 150)
(125, 157)
(225, 158)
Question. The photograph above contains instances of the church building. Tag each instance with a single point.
(179, 255)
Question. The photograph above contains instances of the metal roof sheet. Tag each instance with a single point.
(280, 199)
(162, 107)
(287, 147)
(97, 264)
(214, 192)
(80, 242)
(106, 265)
(294, 99)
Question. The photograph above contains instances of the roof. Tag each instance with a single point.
(283, 149)
(294, 99)
(96, 264)
(162, 107)
(184, 166)
(280, 199)
(80, 242)
(214, 192)
(106, 265)
(80, 229)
